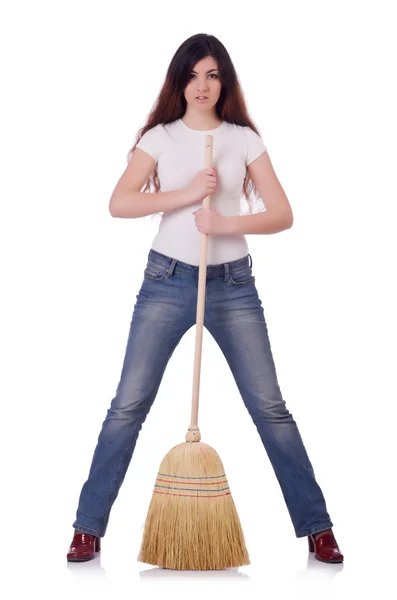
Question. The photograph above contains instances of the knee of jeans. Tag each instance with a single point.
(129, 407)
(273, 409)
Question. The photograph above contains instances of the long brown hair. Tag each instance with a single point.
(171, 103)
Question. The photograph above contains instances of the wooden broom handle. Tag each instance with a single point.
(193, 433)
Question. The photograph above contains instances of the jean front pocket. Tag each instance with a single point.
(241, 275)
(154, 271)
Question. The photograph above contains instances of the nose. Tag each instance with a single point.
(202, 88)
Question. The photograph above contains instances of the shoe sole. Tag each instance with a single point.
(80, 559)
(328, 561)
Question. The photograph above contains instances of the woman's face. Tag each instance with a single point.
(204, 80)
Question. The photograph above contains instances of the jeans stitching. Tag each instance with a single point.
(87, 529)
(316, 529)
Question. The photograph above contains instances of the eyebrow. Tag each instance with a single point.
(207, 71)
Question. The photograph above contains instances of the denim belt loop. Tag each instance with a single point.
(250, 259)
(226, 265)
(171, 268)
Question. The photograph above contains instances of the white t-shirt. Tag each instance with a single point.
(179, 152)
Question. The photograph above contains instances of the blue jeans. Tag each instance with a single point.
(165, 309)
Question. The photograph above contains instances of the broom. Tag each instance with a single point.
(192, 522)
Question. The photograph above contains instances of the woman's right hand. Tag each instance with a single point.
(203, 184)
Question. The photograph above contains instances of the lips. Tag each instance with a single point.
(201, 97)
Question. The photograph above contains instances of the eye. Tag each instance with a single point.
(210, 75)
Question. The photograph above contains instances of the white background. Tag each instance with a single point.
(79, 79)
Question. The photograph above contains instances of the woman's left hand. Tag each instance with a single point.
(209, 221)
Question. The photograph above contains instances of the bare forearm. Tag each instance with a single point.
(139, 204)
(264, 222)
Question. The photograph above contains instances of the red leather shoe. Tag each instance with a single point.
(83, 547)
(325, 547)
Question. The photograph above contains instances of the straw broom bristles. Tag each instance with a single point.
(192, 522)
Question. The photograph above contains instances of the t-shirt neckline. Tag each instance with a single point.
(201, 130)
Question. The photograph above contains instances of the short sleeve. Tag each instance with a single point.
(254, 146)
(149, 142)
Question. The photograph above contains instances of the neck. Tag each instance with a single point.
(204, 121)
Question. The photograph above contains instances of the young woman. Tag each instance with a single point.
(201, 95)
